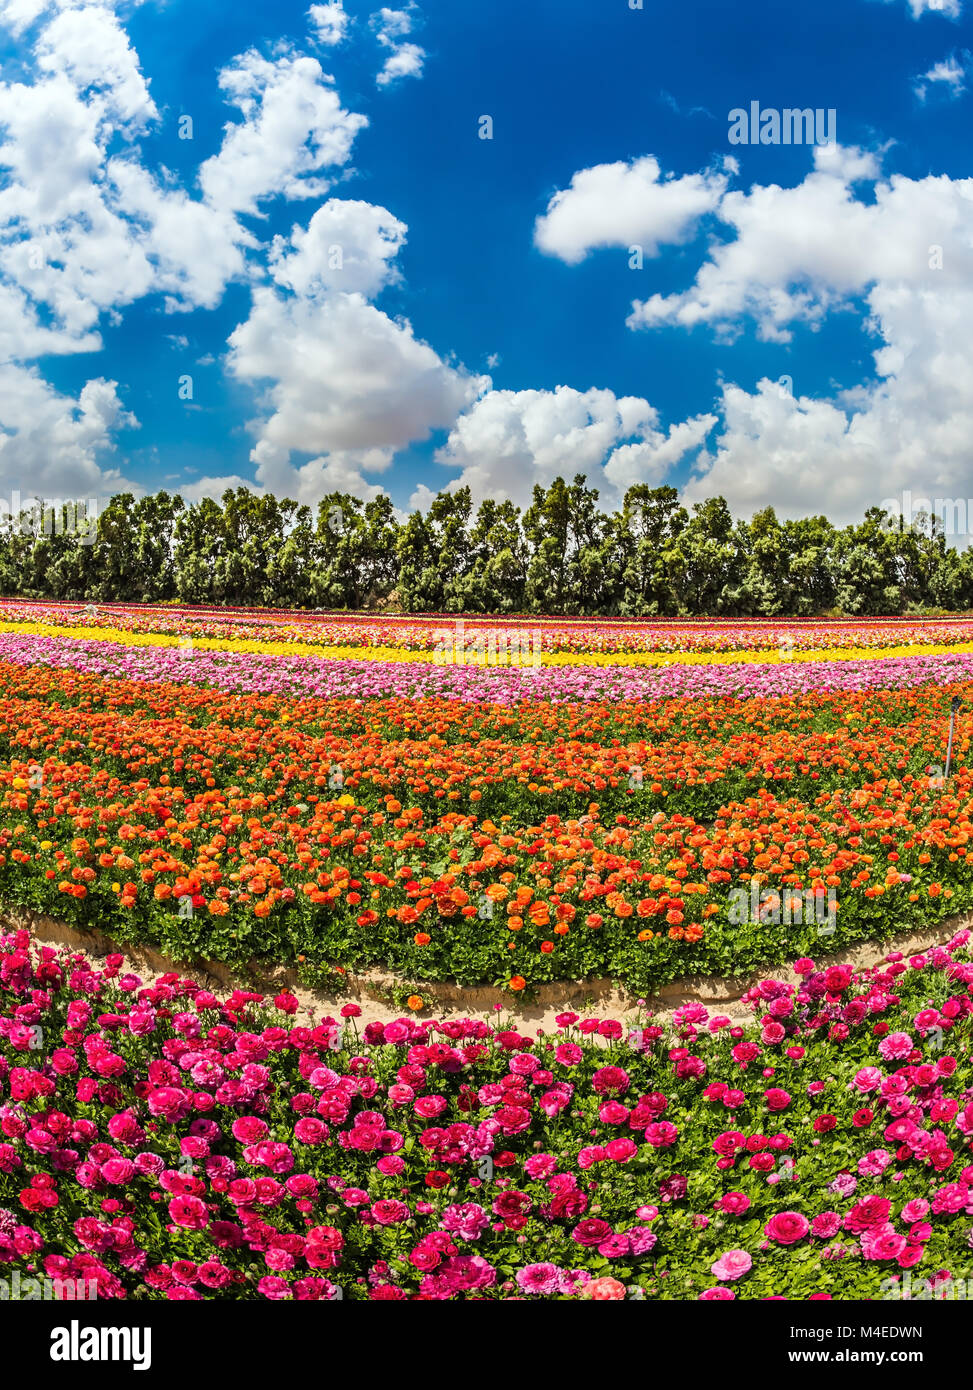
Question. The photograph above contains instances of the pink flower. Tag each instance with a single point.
(733, 1264)
(117, 1171)
(777, 1099)
(895, 1046)
(591, 1231)
(787, 1227)
(661, 1134)
(610, 1081)
(621, 1150)
(428, 1107)
(389, 1212)
(189, 1212)
(882, 1243)
(868, 1079)
(825, 1225)
(539, 1278)
(468, 1220)
(870, 1211)
(540, 1165)
(641, 1240)
(605, 1288)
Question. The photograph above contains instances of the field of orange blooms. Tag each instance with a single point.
(643, 801)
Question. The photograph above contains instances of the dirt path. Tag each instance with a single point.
(370, 990)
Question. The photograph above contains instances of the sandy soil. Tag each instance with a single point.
(369, 990)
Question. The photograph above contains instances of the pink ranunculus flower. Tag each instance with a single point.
(825, 1225)
(787, 1227)
(605, 1288)
(539, 1278)
(868, 1079)
(732, 1264)
(895, 1046)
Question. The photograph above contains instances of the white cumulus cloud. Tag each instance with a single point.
(348, 246)
(293, 127)
(510, 440)
(948, 76)
(951, 9)
(51, 445)
(625, 205)
(405, 59)
(339, 379)
(330, 22)
(899, 255)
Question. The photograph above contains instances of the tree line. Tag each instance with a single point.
(561, 555)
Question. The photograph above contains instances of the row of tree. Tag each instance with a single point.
(562, 555)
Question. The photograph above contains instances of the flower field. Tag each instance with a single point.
(338, 792)
(158, 1143)
(334, 793)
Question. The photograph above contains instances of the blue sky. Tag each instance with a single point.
(478, 332)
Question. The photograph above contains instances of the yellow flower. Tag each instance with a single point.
(343, 652)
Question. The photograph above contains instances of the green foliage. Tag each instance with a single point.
(562, 556)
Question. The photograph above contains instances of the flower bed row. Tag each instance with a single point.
(474, 678)
(506, 847)
(164, 1144)
(422, 633)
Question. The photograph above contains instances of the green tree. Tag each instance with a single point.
(570, 546)
(645, 532)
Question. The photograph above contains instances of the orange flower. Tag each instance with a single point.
(421, 938)
(517, 982)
